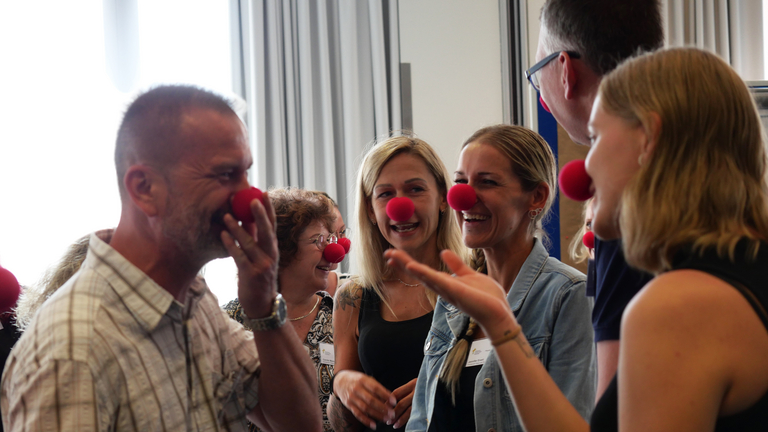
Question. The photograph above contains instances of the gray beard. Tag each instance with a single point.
(193, 237)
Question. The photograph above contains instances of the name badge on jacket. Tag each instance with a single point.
(478, 352)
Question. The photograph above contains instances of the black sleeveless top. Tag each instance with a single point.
(391, 352)
(749, 278)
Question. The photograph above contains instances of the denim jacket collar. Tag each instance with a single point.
(528, 274)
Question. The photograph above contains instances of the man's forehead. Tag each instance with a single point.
(210, 133)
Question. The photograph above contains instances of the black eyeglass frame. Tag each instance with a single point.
(529, 74)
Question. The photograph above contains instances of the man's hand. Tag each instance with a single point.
(256, 256)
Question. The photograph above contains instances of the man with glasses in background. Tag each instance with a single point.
(580, 41)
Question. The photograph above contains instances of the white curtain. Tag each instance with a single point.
(731, 28)
(321, 79)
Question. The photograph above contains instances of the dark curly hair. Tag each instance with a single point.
(296, 209)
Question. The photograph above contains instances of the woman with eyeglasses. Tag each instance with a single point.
(341, 231)
(383, 315)
(304, 223)
(678, 166)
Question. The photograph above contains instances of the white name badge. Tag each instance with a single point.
(478, 352)
(326, 354)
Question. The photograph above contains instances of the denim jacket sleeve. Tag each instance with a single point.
(572, 362)
(418, 419)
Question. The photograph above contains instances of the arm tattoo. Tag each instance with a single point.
(524, 346)
(347, 297)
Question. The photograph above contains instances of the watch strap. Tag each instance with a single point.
(274, 321)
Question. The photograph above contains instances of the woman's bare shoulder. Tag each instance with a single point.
(349, 295)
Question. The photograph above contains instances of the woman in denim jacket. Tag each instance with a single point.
(512, 171)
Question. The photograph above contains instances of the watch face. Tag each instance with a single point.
(282, 309)
(274, 320)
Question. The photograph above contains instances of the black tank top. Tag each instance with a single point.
(749, 277)
(390, 351)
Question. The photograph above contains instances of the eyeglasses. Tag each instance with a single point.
(344, 233)
(322, 241)
(531, 73)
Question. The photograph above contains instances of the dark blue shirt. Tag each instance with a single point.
(615, 285)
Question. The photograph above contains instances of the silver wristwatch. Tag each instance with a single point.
(273, 321)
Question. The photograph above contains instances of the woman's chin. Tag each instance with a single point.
(474, 242)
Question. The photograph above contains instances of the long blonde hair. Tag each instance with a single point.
(578, 251)
(703, 183)
(372, 270)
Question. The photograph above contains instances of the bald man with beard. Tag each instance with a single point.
(135, 341)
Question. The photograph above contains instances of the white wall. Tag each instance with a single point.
(454, 49)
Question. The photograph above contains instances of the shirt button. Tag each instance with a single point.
(487, 383)
(429, 344)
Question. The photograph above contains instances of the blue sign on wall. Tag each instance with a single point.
(548, 130)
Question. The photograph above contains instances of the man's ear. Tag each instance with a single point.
(568, 75)
(147, 189)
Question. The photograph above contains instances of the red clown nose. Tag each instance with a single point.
(241, 204)
(462, 197)
(544, 104)
(9, 290)
(575, 182)
(400, 209)
(345, 243)
(334, 253)
(589, 239)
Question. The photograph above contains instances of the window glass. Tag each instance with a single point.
(69, 70)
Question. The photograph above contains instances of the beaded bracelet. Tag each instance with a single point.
(507, 336)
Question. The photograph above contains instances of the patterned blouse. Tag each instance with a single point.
(321, 331)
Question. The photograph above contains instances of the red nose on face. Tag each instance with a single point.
(589, 239)
(9, 290)
(345, 243)
(462, 197)
(241, 203)
(400, 209)
(544, 104)
(334, 253)
(575, 182)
